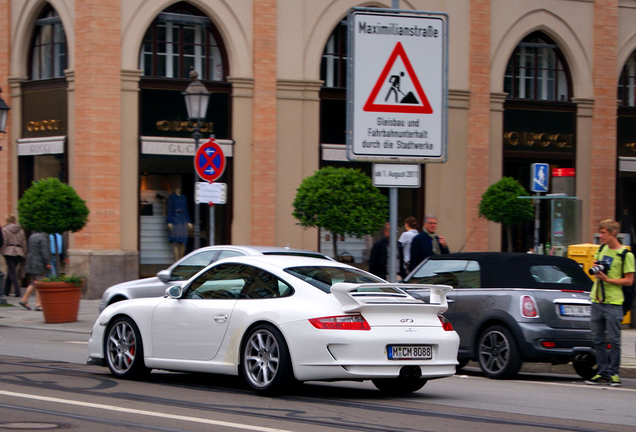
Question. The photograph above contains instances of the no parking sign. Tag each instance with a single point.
(209, 161)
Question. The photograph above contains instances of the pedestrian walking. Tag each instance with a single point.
(38, 264)
(14, 250)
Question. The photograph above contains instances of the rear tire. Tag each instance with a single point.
(498, 355)
(586, 368)
(265, 361)
(394, 386)
(124, 349)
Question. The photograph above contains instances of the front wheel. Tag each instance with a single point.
(395, 386)
(124, 349)
(265, 360)
(498, 355)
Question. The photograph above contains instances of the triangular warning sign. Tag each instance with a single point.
(403, 103)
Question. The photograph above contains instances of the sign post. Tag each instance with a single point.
(539, 179)
(397, 96)
(209, 164)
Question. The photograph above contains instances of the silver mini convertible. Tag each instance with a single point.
(510, 308)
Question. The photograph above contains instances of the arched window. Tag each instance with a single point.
(536, 71)
(180, 39)
(627, 83)
(48, 51)
(333, 69)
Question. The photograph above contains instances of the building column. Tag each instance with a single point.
(263, 210)
(497, 101)
(603, 151)
(95, 147)
(584, 162)
(6, 155)
(478, 178)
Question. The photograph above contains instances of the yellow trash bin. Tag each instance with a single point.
(584, 255)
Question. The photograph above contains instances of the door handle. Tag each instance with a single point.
(220, 318)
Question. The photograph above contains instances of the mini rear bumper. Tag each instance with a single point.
(540, 342)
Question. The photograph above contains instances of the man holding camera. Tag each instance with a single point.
(607, 300)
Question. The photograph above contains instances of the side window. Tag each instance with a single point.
(192, 264)
(225, 281)
(557, 275)
(263, 284)
(456, 273)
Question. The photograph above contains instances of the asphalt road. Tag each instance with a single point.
(44, 383)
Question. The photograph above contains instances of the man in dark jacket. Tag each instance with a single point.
(427, 243)
(379, 257)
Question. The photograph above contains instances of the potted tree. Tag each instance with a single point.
(53, 207)
(342, 201)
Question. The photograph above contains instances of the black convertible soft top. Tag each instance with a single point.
(512, 269)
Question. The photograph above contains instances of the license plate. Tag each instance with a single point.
(576, 310)
(410, 352)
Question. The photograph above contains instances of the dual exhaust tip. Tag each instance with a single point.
(410, 372)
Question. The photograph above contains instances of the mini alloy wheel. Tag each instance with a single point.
(498, 354)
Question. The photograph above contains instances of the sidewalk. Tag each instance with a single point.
(17, 316)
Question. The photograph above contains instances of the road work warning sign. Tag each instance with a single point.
(397, 94)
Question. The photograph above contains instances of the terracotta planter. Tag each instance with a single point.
(60, 301)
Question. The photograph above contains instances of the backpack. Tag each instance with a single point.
(628, 291)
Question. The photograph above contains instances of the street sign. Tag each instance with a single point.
(210, 193)
(397, 92)
(396, 175)
(209, 161)
(539, 177)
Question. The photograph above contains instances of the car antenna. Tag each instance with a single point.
(467, 238)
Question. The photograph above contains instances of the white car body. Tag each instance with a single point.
(207, 335)
(194, 261)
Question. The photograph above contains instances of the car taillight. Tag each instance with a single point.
(529, 307)
(344, 322)
(446, 324)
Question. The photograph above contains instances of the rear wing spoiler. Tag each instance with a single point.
(354, 297)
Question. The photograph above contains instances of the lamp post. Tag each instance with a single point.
(4, 113)
(196, 99)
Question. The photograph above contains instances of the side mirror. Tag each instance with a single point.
(164, 275)
(174, 292)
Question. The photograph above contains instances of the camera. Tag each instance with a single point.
(601, 266)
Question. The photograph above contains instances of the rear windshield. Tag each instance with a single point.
(324, 277)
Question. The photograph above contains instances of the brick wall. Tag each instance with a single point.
(603, 154)
(477, 178)
(264, 123)
(5, 139)
(97, 155)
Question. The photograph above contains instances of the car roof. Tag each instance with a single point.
(256, 250)
(510, 269)
(283, 262)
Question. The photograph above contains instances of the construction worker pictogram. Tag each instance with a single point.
(398, 98)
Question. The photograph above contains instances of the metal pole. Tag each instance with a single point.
(393, 205)
(537, 215)
(197, 209)
(211, 227)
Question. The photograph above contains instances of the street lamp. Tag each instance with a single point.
(4, 114)
(196, 99)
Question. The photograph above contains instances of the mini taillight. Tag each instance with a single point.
(344, 322)
(529, 307)
(446, 324)
(548, 344)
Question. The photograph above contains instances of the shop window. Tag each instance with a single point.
(49, 50)
(179, 40)
(627, 83)
(537, 71)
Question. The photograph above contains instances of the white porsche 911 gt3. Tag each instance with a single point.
(276, 321)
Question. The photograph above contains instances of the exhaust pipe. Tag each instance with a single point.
(408, 372)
